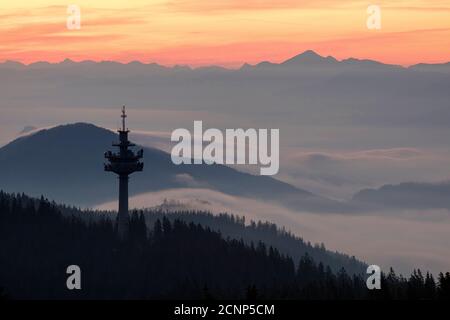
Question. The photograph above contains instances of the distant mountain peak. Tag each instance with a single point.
(309, 57)
(67, 61)
(39, 64)
(12, 63)
(135, 63)
(310, 53)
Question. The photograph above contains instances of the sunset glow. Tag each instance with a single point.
(223, 32)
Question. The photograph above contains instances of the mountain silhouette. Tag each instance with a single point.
(428, 67)
(303, 89)
(65, 163)
(407, 195)
(309, 57)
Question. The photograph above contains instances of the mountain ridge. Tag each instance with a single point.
(65, 163)
(407, 195)
(305, 57)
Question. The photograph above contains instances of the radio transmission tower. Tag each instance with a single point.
(123, 163)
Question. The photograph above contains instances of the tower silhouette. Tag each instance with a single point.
(123, 164)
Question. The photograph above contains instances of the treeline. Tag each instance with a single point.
(171, 260)
(236, 227)
(233, 226)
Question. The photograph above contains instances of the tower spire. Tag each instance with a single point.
(123, 116)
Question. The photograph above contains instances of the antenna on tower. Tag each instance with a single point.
(124, 115)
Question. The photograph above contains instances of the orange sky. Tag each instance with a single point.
(224, 32)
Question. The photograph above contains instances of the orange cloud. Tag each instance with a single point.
(238, 5)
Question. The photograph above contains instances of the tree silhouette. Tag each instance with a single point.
(173, 260)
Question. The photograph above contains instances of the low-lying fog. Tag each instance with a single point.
(404, 240)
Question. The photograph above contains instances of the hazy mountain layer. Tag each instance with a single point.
(408, 195)
(65, 163)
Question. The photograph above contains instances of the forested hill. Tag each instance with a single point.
(74, 153)
(235, 227)
(173, 259)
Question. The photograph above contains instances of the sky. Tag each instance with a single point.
(224, 32)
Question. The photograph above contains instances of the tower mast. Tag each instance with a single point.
(123, 164)
(123, 116)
